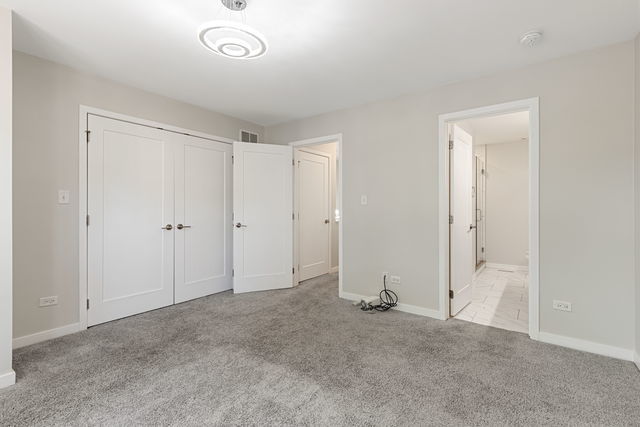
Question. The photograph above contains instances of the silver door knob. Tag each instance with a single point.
(180, 226)
(326, 221)
(168, 227)
(239, 225)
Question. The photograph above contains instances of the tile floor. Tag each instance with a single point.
(500, 299)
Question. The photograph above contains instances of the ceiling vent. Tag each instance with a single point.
(246, 136)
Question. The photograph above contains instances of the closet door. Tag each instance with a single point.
(203, 254)
(131, 213)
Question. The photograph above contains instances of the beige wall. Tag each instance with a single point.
(507, 203)
(390, 153)
(6, 373)
(46, 102)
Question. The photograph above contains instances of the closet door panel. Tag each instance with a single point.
(203, 217)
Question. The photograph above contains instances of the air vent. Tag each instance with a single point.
(246, 136)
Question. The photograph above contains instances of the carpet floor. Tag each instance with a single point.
(304, 357)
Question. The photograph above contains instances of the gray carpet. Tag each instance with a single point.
(303, 356)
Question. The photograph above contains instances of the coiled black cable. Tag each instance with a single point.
(388, 299)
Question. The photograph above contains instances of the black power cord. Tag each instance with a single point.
(388, 299)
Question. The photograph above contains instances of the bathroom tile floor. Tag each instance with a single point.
(500, 298)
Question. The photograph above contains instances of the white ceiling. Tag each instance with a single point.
(513, 127)
(324, 54)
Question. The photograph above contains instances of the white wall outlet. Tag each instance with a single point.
(364, 200)
(561, 305)
(63, 197)
(395, 280)
(47, 301)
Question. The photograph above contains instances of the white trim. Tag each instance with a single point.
(588, 346)
(636, 359)
(334, 269)
(324, 140)
(506, 266)
(7, 379)
(531, 105)
(405, 308)
(47, 335)
(83, 114)
(480, 270)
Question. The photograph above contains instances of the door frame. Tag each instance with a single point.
(296, 205)
(83, 114)
(337, 138)
(532, 105)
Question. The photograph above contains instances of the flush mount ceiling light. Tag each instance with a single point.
(531, 38)
(231, 38)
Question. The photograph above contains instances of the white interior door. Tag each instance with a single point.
(203, 253)
(130, 200)
(480, 211)
(461, 236)
(263, 223)
(313, 208)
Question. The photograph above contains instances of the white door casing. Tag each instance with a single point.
(203, 252)
(314, 213)
(461, 236)
(130, 200)
(262, 223)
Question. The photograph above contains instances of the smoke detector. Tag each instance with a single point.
(531, 38)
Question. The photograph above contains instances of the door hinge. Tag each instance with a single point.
(87, 133)
(88, 220)
(450, 219)
(451, 144)
(87, 303)
(450, 293)
(293, 216)
(483, 250)
(233, 160)
(482, 171)
(233, 272)
(293, 270)
(293, 162)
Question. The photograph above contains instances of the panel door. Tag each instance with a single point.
(131, 210)
(203, 253)
(263, 223)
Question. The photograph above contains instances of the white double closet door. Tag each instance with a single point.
(160, 207)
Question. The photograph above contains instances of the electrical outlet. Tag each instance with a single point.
(364, 200)
(561, 305)
(385, 274)
(395, 280)
(48, 301)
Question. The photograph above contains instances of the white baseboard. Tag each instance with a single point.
(507, 266)
(588, 346)
(7, 379)
(406, 308)
(334, 270)
(46, 335)
(636, 359)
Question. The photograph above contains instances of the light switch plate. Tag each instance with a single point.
(363, 200)
(63, 197)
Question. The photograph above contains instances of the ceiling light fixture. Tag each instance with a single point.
(531, 38)
(231, 38)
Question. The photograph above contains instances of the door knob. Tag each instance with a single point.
(180, 226)
(168, 227)
(239, 225)
(326, 221)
